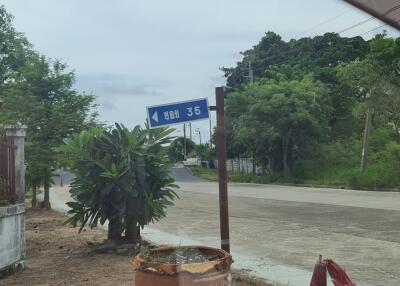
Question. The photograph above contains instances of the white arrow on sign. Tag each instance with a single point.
(155, 117)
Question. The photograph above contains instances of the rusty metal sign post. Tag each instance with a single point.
(222, 174)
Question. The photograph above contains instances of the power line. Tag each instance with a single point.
(394, 8)
(376, 28)
(327, 21)
(356, 25)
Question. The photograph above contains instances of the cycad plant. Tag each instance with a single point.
(122, 177)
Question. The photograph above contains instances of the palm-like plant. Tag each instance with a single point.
(122, 177)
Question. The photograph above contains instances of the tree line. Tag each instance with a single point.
(38, 92)
(323, 109)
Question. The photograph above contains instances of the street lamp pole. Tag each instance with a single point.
(184, 141)
(210, 134)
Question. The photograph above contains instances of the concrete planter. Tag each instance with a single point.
(215, 272)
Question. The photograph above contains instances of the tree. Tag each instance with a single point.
(176, 150)
(121, 176)
(282, 116)
(307, 54)
(14, 49)
(205, 151)
(43, 99)
(385, 54)
(376, 83)
(38, 93)
(359, 81)
(274, 58)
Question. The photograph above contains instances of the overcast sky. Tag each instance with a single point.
(132, 53)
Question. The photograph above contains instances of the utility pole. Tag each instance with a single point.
(198, 131)
(367, 130)
(251, 75)
(210, 134)
(184, 141)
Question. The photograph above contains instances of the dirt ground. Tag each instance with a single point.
(58, 255)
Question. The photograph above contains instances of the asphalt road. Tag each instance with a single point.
(290, 226)
(278, 231)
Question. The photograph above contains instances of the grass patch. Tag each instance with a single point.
(212, 175)
(205, 173)
(376, 177)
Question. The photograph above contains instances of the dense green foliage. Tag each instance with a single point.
(176, 149)
(205, 152)
(38, 92)
(303, 118)
(121, 176)
(285, 115)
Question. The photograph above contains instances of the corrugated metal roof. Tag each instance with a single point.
(386, 10)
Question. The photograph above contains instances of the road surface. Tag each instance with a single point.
(278, 231)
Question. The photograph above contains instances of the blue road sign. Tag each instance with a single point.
(178, 112)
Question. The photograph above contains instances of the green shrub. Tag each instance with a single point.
(122, 177)
(241, 178)
(377, 176)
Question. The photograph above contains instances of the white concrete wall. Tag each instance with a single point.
(12, 235)
(240, 165)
